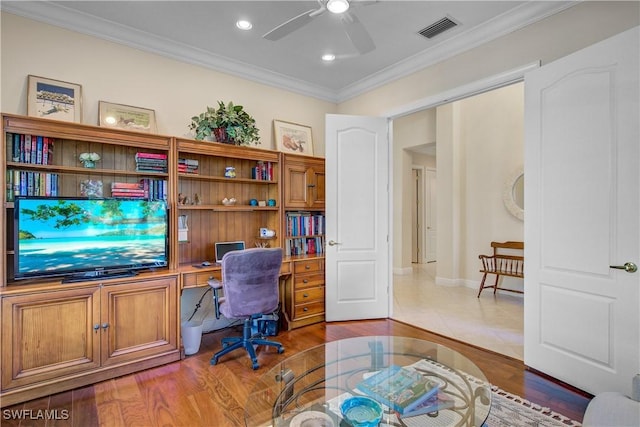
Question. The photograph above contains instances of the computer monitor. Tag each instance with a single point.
(222, 248)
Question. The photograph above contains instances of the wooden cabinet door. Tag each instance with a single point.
(49, 335)
(138, 320)
(304, 183)
(316, 197)
(295, 186)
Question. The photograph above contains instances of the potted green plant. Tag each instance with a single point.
(228, 123)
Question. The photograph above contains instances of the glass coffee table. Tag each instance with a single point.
(316, 381)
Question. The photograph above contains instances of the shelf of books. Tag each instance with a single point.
(305, 233)
(49, 158)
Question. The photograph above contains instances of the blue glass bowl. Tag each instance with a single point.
(361, 411)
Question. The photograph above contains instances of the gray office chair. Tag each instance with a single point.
(250, 292)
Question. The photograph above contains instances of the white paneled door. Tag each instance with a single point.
(582, 217)
(357, 215)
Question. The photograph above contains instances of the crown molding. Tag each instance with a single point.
(70, 19)
(61, 16)
(508, 22)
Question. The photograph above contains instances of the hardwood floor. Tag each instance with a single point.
(194, 393)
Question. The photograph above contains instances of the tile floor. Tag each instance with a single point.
(494, 323)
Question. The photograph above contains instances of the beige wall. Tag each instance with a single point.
(111, 72)
(177, 91)
(491, 148)
(482, 139)
(545, 41)
(409, 131)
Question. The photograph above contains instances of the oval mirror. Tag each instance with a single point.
(513, 194)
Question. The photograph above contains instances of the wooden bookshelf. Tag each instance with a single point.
(104, 324)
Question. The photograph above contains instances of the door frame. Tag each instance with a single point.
(477, 87)
(418, 216)
(429, 215)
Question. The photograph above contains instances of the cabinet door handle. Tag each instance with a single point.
(105, 325)
(307, 267)
(305, 295)
(305, 281)
(96, 327)
(305, 309)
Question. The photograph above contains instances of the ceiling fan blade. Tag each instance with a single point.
(357, 33)
(291, 25)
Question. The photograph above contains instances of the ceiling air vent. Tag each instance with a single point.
(437, 27)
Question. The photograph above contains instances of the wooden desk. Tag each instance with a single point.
(302, 290)
(196, 276)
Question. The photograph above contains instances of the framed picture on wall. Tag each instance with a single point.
(293, 138)
(54, 99)
(127, 117)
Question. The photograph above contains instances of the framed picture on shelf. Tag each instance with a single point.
(54, 99)
(293, 138)
(126, 117)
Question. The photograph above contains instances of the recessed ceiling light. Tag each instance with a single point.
(337, 6)
(243, 24)
(328, 57)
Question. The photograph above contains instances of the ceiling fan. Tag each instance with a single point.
(356, 32)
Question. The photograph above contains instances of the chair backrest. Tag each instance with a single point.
(250, 281)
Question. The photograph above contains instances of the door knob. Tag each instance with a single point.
(333, 243)
(629, 267)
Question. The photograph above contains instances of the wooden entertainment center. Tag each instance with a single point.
(58, 336)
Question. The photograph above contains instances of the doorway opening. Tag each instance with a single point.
(488, 143)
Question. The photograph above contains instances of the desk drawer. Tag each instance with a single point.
(308, 266)
(301, 281)
(310, 309)
(309, 295)
(199, 279)
(285, 268)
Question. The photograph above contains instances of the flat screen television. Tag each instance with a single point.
(85, 239)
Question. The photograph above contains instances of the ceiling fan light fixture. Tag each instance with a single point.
(328, 57)
(337, 6)
(243, 24)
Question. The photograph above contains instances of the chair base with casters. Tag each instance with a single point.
(247, 341)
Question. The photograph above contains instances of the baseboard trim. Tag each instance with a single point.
(402, 271)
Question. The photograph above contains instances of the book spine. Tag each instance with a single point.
(39, 148)
(34, 149)
(142, 155)
(16, 148)
(130, 195)
(127, 191)
(9, 192)
(132, 185)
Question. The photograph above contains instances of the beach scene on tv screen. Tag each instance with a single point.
(57, 236)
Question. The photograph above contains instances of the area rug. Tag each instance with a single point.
(509, 410)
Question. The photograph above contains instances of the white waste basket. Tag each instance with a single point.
(191, 336)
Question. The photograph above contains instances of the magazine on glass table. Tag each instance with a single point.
(451, 404)
(400, 388)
